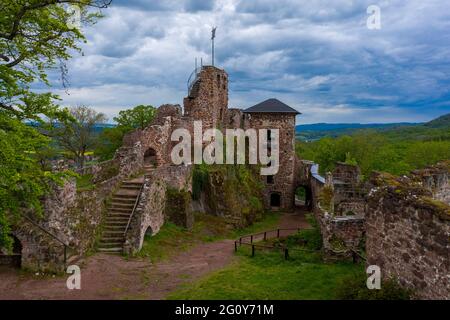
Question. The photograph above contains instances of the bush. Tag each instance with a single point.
(355, 288)
(310, 238)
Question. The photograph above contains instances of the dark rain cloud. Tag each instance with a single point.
(317, 56)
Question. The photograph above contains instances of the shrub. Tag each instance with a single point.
(355, 288)
(310, 238)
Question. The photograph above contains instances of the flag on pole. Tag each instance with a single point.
(213, 33)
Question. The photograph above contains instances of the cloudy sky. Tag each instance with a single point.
(318, 56)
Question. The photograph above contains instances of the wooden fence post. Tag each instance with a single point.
(253, 250)
(235, 246)
(286, 253)
(265, 235)
(278, 233)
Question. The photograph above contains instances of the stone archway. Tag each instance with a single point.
(150, 158)
(148, 232)
(14, 258)
(303, 197)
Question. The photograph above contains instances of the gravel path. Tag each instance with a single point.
(113, 277)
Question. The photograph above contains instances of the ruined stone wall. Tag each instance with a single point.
(408, 236)
(208, 100)
(234, 119)
(341, 234)
(436, 180)
(150, 212)
(284, 180)
(74, 216)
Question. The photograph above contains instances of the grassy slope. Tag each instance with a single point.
(269, 276)
(173, 239)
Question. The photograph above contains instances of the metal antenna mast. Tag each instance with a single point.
(213, 35)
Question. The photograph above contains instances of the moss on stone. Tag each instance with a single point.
(230, 190)
(440, 208)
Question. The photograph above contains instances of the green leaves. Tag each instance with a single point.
(34, 36)
(137, 118)
(378, 151)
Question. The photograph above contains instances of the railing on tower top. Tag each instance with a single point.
(193, 78)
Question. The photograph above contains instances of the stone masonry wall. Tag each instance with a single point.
(209, 100)
(150, 211)
(284, 180)
(408, 236)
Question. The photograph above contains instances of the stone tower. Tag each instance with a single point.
(274, 114)
(207, 98)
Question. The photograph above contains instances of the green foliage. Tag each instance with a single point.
(311, 238)
(236, 187)
(85, 183)
(354, 288)
(326, 197)
(395, 151)
(22, 180)
(441, 122)
(300, 192)
(138, 117)
(110, 139)
(34, 36)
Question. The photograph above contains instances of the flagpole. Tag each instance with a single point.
(213, 35)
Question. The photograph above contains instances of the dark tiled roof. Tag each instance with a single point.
(271, 105)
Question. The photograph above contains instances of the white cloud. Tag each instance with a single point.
(315, 55)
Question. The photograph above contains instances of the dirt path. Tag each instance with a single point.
(113, 277)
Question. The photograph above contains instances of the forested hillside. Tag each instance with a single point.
(397, 150)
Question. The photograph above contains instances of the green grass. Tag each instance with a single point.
(172, 239)
(269, 276)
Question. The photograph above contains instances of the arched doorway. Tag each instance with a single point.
(14, 258)
(275, 200)
(303, 197)
(150, 158)
(149, 232)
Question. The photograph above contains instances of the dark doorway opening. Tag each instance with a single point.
(275, 200)
(303, 197)
(14, 258)
(150, 157)
(148, 232)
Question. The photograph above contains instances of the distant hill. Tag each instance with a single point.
(441, 122)
(311, 132)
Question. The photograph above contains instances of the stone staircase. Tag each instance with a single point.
(148, 169)
(119, 212)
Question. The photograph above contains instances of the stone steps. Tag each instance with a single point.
(119, 212)
(122, 206)
(116, 250)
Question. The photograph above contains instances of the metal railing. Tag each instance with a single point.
(253, 237)
(134, 209)
(193, 78)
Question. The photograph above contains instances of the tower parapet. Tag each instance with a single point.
(207, 98)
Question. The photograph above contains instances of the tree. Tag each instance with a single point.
(77, 135)
(110, 139)
(138, 117)
(35, 35)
